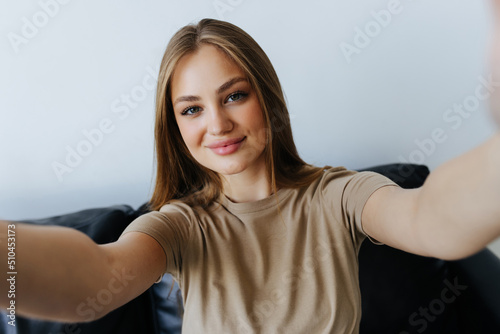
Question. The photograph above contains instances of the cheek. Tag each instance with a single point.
(190, 134)
(255, 119)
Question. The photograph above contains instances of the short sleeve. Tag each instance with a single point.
(171, 228)
(347, 192)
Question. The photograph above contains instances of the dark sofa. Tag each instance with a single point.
(401, 292)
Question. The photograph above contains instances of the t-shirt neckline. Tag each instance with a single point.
(262, 204)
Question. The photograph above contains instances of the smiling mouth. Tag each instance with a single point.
(239, 141)
(225, 143)
(227, 148)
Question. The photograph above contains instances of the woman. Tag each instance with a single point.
(258, 240)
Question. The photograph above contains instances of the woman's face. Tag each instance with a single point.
(218, 112)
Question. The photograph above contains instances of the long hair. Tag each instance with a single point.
(179, 175)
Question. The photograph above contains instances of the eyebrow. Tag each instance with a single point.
(225, 86)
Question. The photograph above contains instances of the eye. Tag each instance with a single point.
(236, 97)
(190, 111)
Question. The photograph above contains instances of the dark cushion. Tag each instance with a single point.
(480, 301)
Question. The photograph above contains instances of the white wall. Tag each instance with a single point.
(73, 72)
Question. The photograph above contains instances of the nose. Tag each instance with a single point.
(218, 122)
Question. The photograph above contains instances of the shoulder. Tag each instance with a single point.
(337, 173)
(173, 215)
(177, 210)
(176, 207)
(175, 219)
(342, 175)
(343, 185)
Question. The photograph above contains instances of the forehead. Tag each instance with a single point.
(206, 68)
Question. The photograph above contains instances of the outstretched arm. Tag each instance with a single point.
(62, 274)
(457, 211)
(453, 215)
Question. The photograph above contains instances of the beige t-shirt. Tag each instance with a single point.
(243, 269)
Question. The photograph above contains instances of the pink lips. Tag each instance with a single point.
(228, 146)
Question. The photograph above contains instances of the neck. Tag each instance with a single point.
(247, 186)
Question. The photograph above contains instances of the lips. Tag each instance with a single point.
(225, 147)
(227, 142)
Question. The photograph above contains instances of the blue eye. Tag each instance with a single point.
(190, 111)
(236, 96)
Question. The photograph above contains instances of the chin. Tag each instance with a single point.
(230, 168)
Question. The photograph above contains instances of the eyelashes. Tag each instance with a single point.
(188, 109)
(240, 94)
(233, 97)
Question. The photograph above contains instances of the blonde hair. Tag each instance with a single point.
(179, 175)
